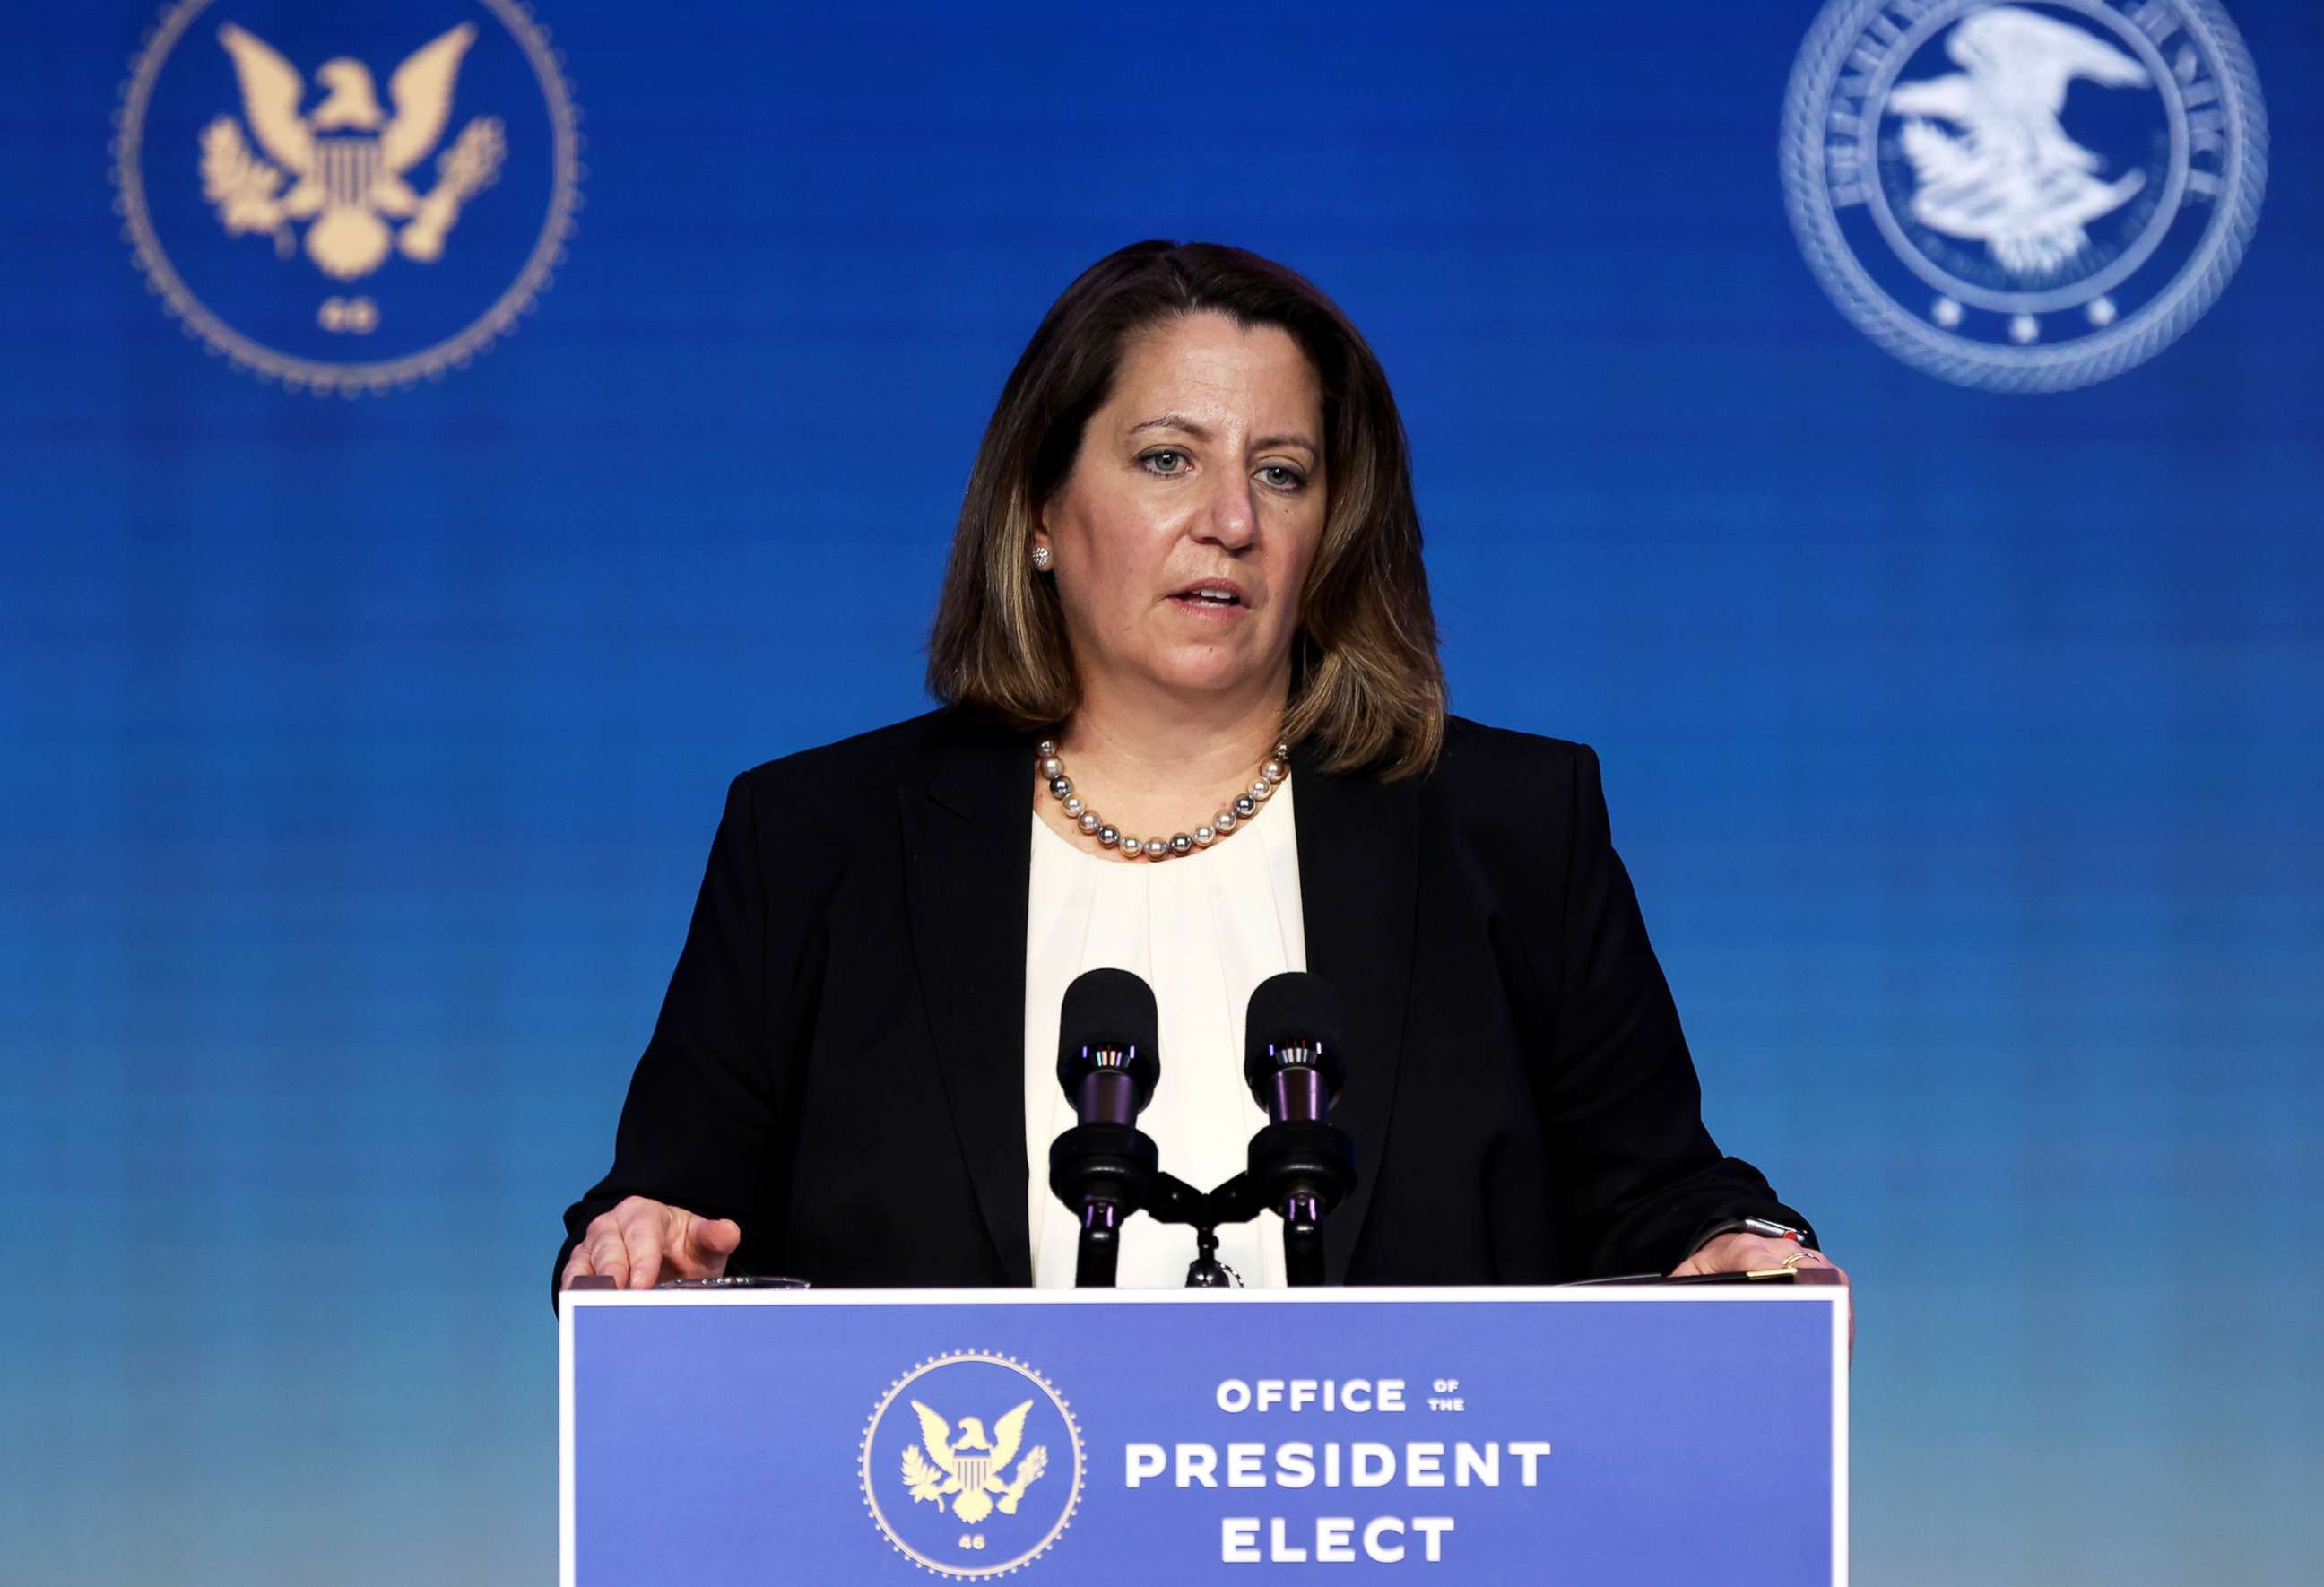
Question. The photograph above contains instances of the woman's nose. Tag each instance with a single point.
(1230, 517)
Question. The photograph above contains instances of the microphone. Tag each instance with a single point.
(1303, 1163)
(1104, 1167)
(1106, 1040)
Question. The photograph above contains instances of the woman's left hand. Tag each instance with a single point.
(1751, 1253)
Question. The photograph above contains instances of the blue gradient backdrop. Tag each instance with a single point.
(358, 758)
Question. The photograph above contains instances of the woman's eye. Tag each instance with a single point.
(1152, 458)
(1291, 480)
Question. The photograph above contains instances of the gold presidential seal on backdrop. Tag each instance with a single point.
(972, 1464)
(350, 198)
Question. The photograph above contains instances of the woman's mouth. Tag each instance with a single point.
(1211, 598)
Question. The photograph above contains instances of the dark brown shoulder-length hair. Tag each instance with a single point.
(1366, 690)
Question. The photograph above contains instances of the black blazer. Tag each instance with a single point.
(839, 1063)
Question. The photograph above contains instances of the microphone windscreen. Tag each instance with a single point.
(1291, 1009)
(1110, 1009)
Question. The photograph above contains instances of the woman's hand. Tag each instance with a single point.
(1741, 1252)
(641, 1242)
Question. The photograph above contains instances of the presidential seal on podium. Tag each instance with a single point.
(972, 1464)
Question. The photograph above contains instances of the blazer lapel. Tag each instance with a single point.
(1359, 891)
(968, 848)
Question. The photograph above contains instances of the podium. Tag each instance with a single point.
(1640, 1435)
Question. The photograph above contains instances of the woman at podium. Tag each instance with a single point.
(1192, 726)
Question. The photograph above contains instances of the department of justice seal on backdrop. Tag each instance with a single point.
(2024, 196)
(347, 198)
(972, 1464)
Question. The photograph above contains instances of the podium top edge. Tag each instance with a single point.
(1597, 1294)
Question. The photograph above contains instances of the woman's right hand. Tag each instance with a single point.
(641, 1242)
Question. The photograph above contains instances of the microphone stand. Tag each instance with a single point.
(1098, 1254)
(1303, 1242)
(1301, 1165)
(1107, 1171)
(1108, 1178)
(1175, 1201)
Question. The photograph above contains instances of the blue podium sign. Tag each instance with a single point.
(1640, 1435)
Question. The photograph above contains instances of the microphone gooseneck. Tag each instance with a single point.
(1303, 1164)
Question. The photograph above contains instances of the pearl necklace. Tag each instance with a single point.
(1233, 814)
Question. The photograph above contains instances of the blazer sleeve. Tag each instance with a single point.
(697, 1125)
(1639, 1177)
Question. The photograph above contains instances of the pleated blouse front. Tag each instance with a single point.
(1204, 930)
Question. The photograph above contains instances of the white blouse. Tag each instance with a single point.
(1203, 931)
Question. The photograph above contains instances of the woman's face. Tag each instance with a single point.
(1204, 469)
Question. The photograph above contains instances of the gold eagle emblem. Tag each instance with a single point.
(346, 162)
(969, 1468)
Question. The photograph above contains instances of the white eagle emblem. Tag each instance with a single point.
(971, 1468)
(346, 162)
(2013, 179)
